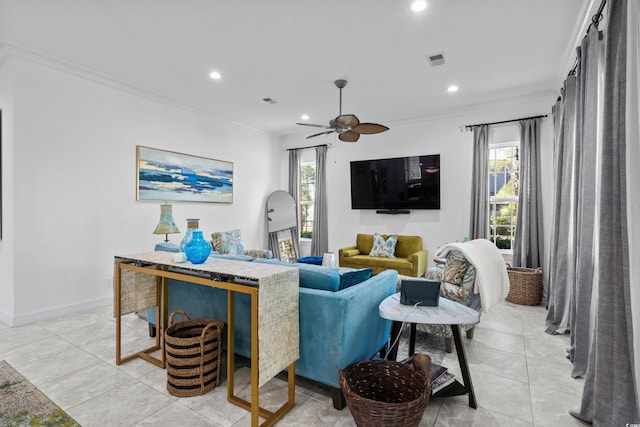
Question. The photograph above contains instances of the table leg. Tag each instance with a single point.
(396, 327)
(464, 366)
(412, 340)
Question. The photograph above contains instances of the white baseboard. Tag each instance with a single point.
(51, 313)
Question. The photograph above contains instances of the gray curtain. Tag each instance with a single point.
(586, 149)
(609, 397)
(561, 259)
(528, 246)
(294, 190)
(478, 228)
(320, 235)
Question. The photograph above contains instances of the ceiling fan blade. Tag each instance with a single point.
(315, 126)
(347, 120)
(349, 136)
(369, 128)
(321, 133)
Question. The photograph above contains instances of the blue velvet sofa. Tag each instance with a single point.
(338, 325)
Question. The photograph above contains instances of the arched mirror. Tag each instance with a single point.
(283, 226)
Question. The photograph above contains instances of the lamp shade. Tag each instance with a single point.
(166, 224)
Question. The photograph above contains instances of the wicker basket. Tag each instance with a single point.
(384, 393)
(525, 285)
(193, 355)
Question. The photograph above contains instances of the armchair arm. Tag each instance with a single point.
(419, 262)
(348, 251)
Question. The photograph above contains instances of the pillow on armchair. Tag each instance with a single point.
(458, 279)
(228, 242)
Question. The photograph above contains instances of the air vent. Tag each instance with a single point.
(436, 59)
(269, 100)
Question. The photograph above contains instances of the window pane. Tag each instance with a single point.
(504, 170)
(307, 193)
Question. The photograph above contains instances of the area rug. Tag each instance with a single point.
(22, 404)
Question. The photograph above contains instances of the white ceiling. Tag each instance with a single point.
(293, 50)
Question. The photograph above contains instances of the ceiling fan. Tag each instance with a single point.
(347, 126)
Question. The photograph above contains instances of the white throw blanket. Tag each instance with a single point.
(492, 280)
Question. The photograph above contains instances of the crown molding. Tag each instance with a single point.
(10, 51)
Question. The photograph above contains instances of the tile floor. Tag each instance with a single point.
(520, 374)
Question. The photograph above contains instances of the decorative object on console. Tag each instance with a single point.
(384, 248)
(166, 225)
(167, 175)
(192, 224)
(329, 259)
(198, 249)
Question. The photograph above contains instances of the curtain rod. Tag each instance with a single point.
(311, 146)
(595, 21)
(504, 121)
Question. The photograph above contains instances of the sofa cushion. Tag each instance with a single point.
(349, 277)
(364, 261)
(312, 276)
(384, 247)
(228, 242)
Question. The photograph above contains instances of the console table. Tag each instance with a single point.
(274, 314)
(446, 313)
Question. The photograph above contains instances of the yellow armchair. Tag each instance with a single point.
(410, 258)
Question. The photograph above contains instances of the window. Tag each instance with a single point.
(307, 193)
(504, 170)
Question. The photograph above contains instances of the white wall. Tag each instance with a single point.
(6, 245)
(74, 180)
(434, 136)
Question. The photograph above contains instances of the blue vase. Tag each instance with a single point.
(192, 224)
(197, 249)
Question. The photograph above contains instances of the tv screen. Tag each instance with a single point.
(396, 184)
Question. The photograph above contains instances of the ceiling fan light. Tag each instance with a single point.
(215, 75)
(452, 88)
(304, 117)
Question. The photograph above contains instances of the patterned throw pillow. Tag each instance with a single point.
(384, 248)
(458, 279)
(228, 242)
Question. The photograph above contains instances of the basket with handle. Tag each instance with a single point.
(385, 393)
(193, 355)
(525, 285)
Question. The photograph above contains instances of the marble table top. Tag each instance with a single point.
(446, 313)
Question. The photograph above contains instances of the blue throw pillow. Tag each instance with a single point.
(353, 277)
(384, 248)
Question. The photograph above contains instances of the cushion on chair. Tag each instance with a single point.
(458, 278)
(384, 248)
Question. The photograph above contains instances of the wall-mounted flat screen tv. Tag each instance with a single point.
(396, 184)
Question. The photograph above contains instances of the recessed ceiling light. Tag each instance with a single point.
(418, 5)
(215, 75)
(452, 88)
(304, 117)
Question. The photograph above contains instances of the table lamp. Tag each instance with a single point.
(166, 225)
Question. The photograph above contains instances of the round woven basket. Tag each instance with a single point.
(525, 285)
(384, 393)
(193, 355)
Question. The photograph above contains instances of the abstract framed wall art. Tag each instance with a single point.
(164, 175)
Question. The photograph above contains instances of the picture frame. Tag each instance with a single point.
(163, 175)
